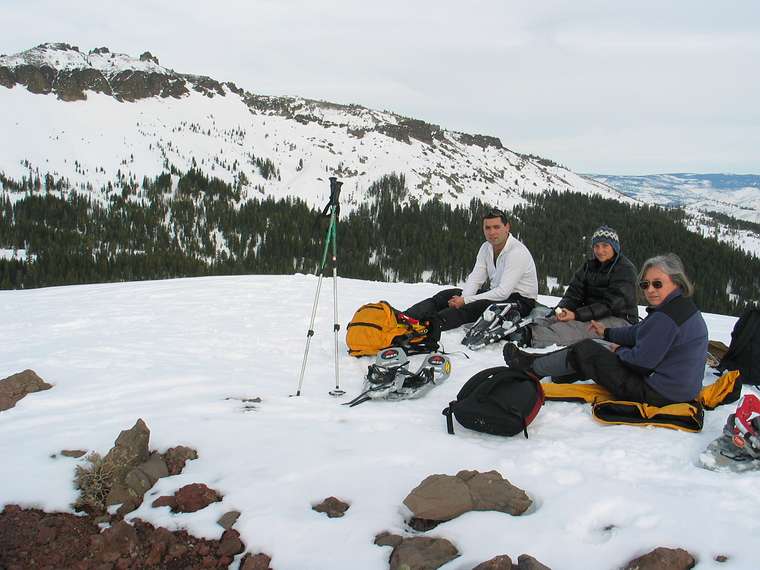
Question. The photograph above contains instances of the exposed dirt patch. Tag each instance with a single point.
(30, 538)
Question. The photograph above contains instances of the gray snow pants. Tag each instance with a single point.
(549, 331)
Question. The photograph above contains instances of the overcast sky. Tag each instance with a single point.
(601, 86)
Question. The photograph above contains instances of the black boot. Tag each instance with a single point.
(517, 359)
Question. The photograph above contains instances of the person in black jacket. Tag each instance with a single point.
(604, 289)
(659, 361)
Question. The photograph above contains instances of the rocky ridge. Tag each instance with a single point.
(69, 73)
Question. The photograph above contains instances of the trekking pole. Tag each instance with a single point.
(334, 208)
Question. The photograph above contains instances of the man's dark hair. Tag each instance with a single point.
(496, 213)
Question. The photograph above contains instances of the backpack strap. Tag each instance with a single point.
(447, 411)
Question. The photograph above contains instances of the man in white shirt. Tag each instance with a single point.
(502, 260)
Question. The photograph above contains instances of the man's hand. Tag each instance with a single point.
(597, 327)
(456, 302)
(565, 315)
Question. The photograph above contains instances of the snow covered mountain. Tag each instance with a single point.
(735, 195)
(703, 196)
(102, 123)
(98, 117)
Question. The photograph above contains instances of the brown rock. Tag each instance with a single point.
(195, 497)
(130, 450)
(165, 501)
(17, 386)
(525, 562)
(663, 559)
(36, 79)
(255, 562)
(147, 56)
(136, 482)
(120, 494)
(439, 498)
(154, 468)
(72, 452)
(176, 457)
(230, 543)
(127, 507)
(120, 539)
(422, 553)
(502, 562)
(228, 519)
(385, 538)
(332, 506)
(491, 492)
(444, 497)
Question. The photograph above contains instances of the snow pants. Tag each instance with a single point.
(449, 318)
(549, 331)
(593, 359)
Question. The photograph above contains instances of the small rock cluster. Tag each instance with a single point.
(127, 472)
(441, 498)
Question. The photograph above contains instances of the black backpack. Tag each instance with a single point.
(744, 351)
(499, 401)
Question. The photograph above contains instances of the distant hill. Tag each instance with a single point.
(736, 195)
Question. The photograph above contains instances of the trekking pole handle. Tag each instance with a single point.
(334, 190)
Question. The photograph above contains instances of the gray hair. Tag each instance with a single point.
(671, 265)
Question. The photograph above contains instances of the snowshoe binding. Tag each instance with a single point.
(499, 321)
(389, 378)
(738, 449)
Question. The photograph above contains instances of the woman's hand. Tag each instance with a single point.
(597, 327)
(565, 315)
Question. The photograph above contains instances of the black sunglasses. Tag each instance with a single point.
(657, 284)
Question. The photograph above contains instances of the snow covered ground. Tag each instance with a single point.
(182, 353)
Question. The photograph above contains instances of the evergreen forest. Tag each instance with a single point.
(180, 225)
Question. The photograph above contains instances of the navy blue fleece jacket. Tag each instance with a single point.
(668, 347)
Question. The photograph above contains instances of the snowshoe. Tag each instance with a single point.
(723, 455)
(389, 377)
(499, 321)
(496, 322)
(738, 449)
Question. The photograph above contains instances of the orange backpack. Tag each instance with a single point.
(375, 326)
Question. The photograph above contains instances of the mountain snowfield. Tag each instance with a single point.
(182, 354)
(101, 139)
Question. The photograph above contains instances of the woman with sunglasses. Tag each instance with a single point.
(659, 361)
